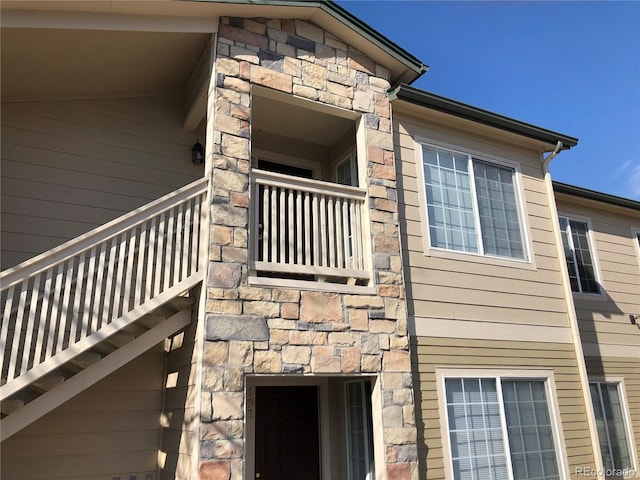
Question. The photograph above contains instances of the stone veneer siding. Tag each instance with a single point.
(271, 330)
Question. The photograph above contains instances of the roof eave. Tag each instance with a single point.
(462, 110)
(412, 62)
(585, 193)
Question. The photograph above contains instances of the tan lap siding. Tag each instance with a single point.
(68, 167)
(470, 287)
(604, 319)
(179, 420)
(629, 370)
(430, 353)
(111, 429)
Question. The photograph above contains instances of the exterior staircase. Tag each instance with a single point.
(73, 315)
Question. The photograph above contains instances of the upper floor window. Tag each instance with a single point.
(347, 171)
(500, 428)
(577, 251)
(471, 204)
(612, 426)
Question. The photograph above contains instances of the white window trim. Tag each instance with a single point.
(352, 158)
(547, 376)
(622, 393)
(276, 157)
(368, 433)
(594, 255)
(527, 263)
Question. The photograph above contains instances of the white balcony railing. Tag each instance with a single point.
(63, 302)
(304, 227)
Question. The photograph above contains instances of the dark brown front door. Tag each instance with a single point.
(287, 444)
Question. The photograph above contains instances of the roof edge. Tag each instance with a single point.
(559, 187)
(374, 36)
(462, 110)
(339, 13)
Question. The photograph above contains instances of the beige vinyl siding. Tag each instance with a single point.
(470, 287)
(179, 418)
(429, 353)
(70, 166)
(629, 370)
(109, 430)
(604, 319)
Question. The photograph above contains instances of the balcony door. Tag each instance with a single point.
(285, 169)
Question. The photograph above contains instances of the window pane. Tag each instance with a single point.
(569, 255)
(475, 433)
(499, 221)
(586, 278)
(611, 425)
(448, 188)
(529, 430)
(600, 425)
(359, 429)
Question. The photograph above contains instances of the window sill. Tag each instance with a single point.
(596, 297)
(480, 259)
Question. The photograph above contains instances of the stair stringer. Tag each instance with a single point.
(81, 381)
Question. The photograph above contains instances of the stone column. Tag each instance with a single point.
(283, 331)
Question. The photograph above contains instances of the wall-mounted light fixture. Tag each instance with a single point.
(197, 153)
(634, 319)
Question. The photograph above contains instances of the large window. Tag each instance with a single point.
(610, 421)
(499, 429)
(577, 251)
(471, 204)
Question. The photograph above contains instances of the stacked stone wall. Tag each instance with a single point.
(253, 330)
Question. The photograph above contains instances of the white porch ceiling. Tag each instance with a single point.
(313, 126)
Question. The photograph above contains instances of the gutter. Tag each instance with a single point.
(571, 313)
(449, 106)
(595, 196)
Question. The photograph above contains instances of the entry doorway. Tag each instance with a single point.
(322, 423)
(287, 445)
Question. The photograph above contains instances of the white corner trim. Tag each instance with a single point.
(635, 237)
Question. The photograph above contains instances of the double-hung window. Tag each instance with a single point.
(472, 204)
(577, 252)
(500, 428)
(612, 427)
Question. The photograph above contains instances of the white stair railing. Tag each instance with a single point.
(307, 227)
(62, 302)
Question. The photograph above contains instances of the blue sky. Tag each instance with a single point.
(571, 67)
